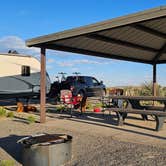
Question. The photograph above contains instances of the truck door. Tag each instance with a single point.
(96, 88)
(89, 86)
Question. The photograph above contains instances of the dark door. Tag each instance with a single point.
(96, 88)
(89, 86)
(93, 87)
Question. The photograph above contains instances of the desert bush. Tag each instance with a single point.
(146, 89)
(7, 163)
(31, 119)
(162, 91)
(60, 108)
(10, 114)
(2, 111)
(89, 106)
(98, 105)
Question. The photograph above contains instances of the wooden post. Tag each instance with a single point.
(43, 86)
(154, 81)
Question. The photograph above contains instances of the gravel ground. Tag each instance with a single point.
(90, 147)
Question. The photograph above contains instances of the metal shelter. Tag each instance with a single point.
(139, 37)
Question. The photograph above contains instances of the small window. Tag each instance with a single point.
(81, 80)
(89, 81)
(25, 71)
(95, 82)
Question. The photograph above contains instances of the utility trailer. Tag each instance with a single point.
(20, 76)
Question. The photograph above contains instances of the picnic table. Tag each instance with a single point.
(133, 105)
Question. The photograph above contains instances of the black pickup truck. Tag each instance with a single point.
(84, 85)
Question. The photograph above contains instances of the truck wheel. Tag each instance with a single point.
(103, 92)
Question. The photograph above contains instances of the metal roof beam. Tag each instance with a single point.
(161, 62)
(121, 42)
(149, 30)
(159, 54)
(92, 53)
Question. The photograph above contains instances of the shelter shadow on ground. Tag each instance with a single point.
(108, 121)
(10, 145)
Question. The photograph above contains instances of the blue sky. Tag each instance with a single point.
(21, 20)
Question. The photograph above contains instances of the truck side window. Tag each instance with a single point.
(89, 81)
(95, 82)
(81, 80)
(25, 70)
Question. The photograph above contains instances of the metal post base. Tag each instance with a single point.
(121, 117)
(159, 122)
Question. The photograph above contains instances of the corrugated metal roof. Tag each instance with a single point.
(139, 37)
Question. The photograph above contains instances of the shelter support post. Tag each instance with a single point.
(42, 86)
(154, 81)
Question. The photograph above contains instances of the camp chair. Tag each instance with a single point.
(69, 101)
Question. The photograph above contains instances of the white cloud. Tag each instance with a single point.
(65, 64)
(74, 69)
(50, 60)
(81, 61)
(15, 43)
(59, 53)
(49, 67)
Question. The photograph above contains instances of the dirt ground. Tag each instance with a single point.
(97, 140)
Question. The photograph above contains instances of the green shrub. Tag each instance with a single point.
(89, 106)
(60, 108)
(98, 105)
(2, 112)
(7, 163)
(10, 114)
(31, 119)
(49, 110)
